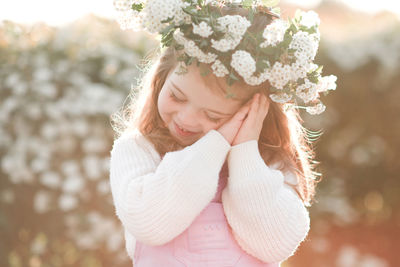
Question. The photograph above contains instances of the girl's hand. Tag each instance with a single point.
(251, 127)
(230, 128)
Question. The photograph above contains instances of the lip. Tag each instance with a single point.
(181, 133)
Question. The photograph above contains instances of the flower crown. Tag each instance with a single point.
(284, 50)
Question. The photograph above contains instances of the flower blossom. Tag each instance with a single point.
(280, 97)
(280, 75)
(192, 49)
(327, 83)
(306, 46)
(309, 19)
(307, 91)
(243, 63)
(203, 29)
(274, 33)
(219, 69)
(316, 109)
(234, 27)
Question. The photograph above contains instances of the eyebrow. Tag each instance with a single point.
(177, 88)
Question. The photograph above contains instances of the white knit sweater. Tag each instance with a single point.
(156, 200)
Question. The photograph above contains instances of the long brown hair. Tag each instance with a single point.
(282, 140)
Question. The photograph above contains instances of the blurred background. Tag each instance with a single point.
(66, 66)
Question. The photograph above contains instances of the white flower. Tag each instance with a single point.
(203, 29)
(306, 46)
(280, 75)
(192, 49)
(280, 97)
(316, 109)
(219, 69)
(42, 201)
(73, 184)
(50, 179)
(310, 19)
(274, 33)
(126, 17)
(327, 83)
(67, 202)
(156, 11)
(243, 63)
(262, 77)
(92, 165)
(253, 80)
(234, 27)
(179, 37)
(124, 5)
(182, 16)
(307, 91)
(298, 71)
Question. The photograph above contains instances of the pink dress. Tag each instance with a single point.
(207, 242)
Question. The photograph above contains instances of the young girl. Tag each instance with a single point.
(199, 179)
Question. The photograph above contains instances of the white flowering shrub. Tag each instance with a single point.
(58, 90)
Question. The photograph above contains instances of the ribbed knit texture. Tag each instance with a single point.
(156, 200)
(267, 216)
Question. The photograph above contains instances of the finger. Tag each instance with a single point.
(263, 103)
(266, 104)
(240, 114)
(253, 112)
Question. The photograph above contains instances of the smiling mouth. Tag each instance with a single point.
(183, 132)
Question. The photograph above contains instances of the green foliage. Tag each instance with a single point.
(137, 7)
(270, 3)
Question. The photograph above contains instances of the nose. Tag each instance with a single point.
(188, 118)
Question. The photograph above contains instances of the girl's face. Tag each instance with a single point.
(186, 101)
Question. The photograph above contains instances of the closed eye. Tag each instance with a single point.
(173, 96)
(215, 120)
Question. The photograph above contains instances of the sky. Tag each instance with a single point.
(59, 12)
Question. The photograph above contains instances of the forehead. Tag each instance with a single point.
(203, 91)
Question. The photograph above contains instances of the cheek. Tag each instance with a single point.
(214, 126)
(163, 99)
(163, 105)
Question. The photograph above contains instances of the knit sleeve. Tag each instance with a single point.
(155, 199)
(267, 217)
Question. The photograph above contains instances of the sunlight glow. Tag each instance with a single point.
(60, 12)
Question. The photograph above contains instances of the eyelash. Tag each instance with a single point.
(180, 101)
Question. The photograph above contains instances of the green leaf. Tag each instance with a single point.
(276, 10)
(190, 10)
(167, 20)
(230, 79)
(137, 7)
(269, 3)
(231, 75)
(179, 47)
(204, 71)
(247, 3)
(298, 14)
(167, 29)
(269, 50)
(229, 95)
(181, 57)
(189, 60)
(262, 64)
(203, 43)
(251, 15)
